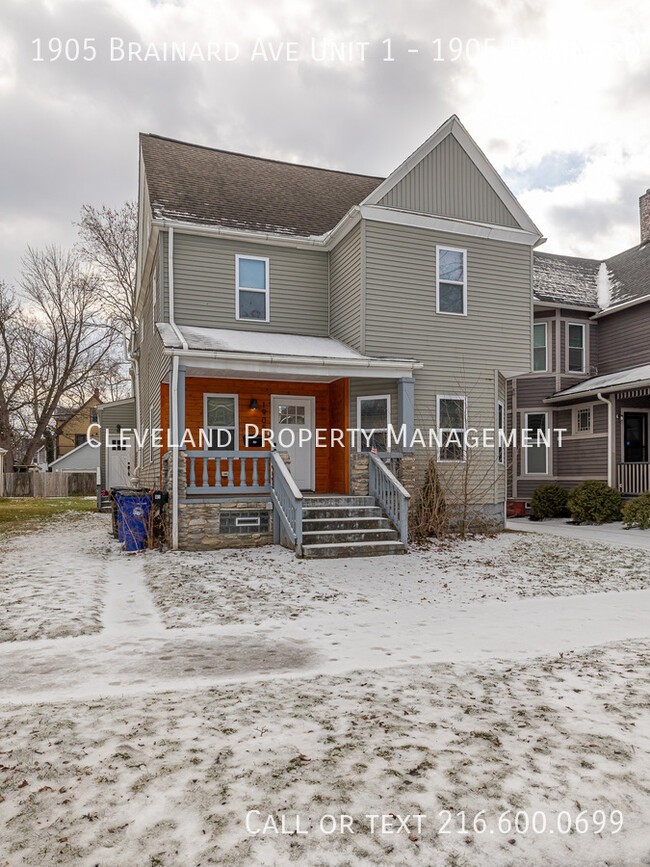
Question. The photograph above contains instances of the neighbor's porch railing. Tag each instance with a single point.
(228, 472)
(391, 495)
(633, 477)
(287, 502)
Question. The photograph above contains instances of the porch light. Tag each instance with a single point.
(253, 403)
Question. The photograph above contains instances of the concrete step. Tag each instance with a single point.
(321, 502)
(310, 513)
(376, 522)
(351, 549)
(325, 537)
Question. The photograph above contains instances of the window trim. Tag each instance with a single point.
(440, 397)
(501, 449)
(583, 326)
(440, 247)
(547, 448)
(206, 395)
(266, 291)
(545, 368)
(574, 420)
(362, 397)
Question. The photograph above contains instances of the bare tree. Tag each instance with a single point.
(13, 372)
(109, 243)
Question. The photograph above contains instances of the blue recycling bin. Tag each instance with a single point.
(133, 521)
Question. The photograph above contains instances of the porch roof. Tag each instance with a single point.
(622, 380)
(261, 352)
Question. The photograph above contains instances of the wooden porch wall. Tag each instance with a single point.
(331, 410)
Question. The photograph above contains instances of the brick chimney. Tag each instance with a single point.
(644, 208)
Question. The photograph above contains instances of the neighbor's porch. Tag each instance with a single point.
(631, 416)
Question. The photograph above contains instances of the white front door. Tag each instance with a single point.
(118, 461)
(292, 414)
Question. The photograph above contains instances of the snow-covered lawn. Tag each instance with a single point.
(169, 779)
(252, 586)
(52, 579)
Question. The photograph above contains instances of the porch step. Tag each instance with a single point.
(325, 537)
(351, 549)
(376, 522)
(310, 502)
(311, 512)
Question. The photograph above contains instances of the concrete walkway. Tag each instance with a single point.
(608, 534)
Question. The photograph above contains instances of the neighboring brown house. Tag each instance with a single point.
(72, 424)
(591, 372)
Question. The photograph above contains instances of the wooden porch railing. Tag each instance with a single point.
(633, 477)
(287, 502)
(391, 495)
(231, 472)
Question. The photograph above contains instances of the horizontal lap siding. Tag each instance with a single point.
(623, 339)
(345, 289)
(532, 390)
(204, 285)
(153, 369)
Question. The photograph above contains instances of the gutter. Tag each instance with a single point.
(623, 306)
(610, 430)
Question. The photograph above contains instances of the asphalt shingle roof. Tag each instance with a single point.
(565, 279)
(630, 274)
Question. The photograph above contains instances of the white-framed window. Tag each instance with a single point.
(373, 415)
(451, 413)
(582, 420)
(540, 344)
(154, 298)
(576, 347)
(252, 288)
(451, 281)
(220, 421)
(501, 428)
(150, 435)
(536, 444)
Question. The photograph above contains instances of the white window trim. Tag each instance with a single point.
(440, 247)
(548, 448)
(584, 346)
(574, 420)
(501, 449)
(265, 291)
(361, 398)
(205, 416)
(440, 397)
(154, 298)
(545, 368)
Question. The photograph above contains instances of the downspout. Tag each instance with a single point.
(174, 387)
(132, 357)
(610, 431)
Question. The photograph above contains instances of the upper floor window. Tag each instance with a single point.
(451, 281)
(373, 418)
(451, 428)
(540, 355)
(576, 348)
(252, 287)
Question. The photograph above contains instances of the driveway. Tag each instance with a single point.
(609, 534)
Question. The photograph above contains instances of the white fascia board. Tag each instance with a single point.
(444, 224)
(623, 306)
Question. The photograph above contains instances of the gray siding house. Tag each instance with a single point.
(295, 298)
(591, 372)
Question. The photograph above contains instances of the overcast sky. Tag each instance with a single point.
(556, 93)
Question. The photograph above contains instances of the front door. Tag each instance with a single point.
(293, 419)
(635, 437)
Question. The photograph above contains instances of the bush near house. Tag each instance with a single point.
(637, 512)
(594, 502)
(549, 501)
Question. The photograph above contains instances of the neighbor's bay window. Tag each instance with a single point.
(220, 421)
(252, 279)
(536, 444)
(451, 281)
(451, 428)
(576, 348)
(539, 347)
(373, 418)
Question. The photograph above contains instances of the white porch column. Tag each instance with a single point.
(406, 409)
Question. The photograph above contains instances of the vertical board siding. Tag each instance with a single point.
(345, 289)
(447, 183)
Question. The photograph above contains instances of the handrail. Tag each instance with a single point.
(287, 501)
(391, 495)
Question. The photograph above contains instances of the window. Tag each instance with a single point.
(582, 420)
(451, 281)
(536, 444)
(220, 421)
(154, 299)
(373, 415)
(252, 278)
(576, 348)
(79, 439)
(539, 347)
(501, 427)
(451, 428)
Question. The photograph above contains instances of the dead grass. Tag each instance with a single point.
(30, 513)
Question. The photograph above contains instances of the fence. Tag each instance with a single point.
(37, 484)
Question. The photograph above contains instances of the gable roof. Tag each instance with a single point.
(196, 184)
(565, 280)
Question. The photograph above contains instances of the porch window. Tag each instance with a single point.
(540, 362)
(576, 348)
(582, 420)
(252, 280)
(451, 428)
(373, 418)
(451, 281)
(536, 444)
(220, 421)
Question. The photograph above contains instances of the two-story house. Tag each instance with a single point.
(305, 301)
(591, 372)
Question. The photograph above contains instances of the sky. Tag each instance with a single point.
(556, 93)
